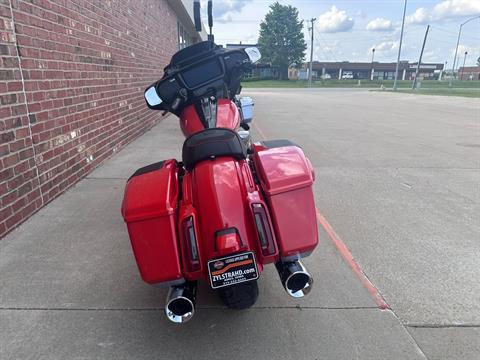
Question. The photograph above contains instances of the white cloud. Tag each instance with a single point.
(446, 9)
(223, 9)
(465, 48)
(456, 8)
(386, 46)
(334, 20)
(472, 56)
(420, 16)
(380, 24)
(361, 14)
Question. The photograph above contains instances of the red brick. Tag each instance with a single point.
(21, 167)
(14, 86)
(13, 220)
(64, 74)
(8, 198)
(9, 160)
(22, 133)
(5, 213)
(4, 150)
(17, 145)
(17, 205)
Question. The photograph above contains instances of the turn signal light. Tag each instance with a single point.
(190, 241)
(267, 243)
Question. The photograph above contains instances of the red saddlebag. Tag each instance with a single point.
(149, 209)
(286, 177)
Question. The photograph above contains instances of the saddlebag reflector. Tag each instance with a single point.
(286, 177)
(149, 209)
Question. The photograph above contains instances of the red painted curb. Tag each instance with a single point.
(345, 253)
(348, 257)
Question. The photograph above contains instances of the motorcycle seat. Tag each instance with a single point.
(210, 144)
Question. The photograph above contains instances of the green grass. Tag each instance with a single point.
(274, 84)
(406, 84)
(462, 92)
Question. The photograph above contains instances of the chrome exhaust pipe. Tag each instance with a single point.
(180, 305)
(295, 278)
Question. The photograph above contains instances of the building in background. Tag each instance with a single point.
(185, 23)
(72, 77)
(469, 73)
(367, 70)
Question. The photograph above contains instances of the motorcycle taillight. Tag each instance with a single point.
(191, 255)
(267, 242)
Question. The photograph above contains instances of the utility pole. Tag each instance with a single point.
(373, 56)
(420, 59)
(312, 21)
(444, 70)
(400, 47)
(463, 67)
(456, 48)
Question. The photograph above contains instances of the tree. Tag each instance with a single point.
(478, 61)
(281, 40)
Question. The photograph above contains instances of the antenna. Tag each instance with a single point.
(196, 15)
(210, 19)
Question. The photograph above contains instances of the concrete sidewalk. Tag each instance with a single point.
(70, 289)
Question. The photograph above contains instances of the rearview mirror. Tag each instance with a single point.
(196, 15)
(153, 100)
(253, 53)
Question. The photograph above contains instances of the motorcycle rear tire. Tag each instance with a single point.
(239, 296)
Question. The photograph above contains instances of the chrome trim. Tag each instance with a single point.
(169, 283)
(184, 298)
(245, 136)
(291, 271)
(296, 257)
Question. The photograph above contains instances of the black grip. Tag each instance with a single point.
(210, 15)
(196, 16)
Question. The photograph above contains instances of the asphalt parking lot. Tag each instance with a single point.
(397, 188)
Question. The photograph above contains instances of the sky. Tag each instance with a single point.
(348, 30)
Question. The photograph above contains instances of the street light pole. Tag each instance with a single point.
(463, 67)
(400, 46)
(415, 81)
(312, 21)
(456, 48)
(373, 56)
(443, 71)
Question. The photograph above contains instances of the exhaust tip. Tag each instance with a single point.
(180, 306)
(295, 278)
(179, 310)
(299, 284)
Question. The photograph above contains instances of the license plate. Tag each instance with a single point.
(232, 270)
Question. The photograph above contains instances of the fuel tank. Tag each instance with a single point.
(227, 116)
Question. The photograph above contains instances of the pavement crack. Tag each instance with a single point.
(203, 307)
(412, 338)
(442, 326)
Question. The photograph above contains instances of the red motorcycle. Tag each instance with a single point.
(230, 206)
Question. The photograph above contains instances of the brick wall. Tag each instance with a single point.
(72, 75)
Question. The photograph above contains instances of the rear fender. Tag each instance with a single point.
(223, 200)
